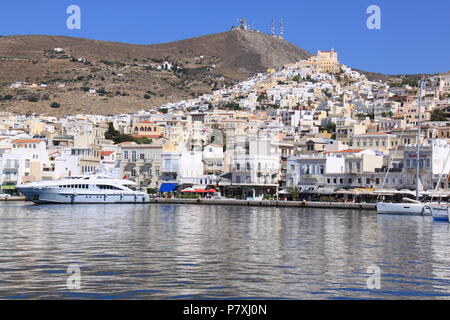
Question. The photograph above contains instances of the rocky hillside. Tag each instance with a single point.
(63, 75)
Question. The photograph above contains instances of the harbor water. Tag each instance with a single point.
(169, 251)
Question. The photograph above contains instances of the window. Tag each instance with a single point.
(125, 155)
(142, 156)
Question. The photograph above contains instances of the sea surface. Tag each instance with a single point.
(152, 251)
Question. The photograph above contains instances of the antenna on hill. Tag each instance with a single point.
(273, 28)
(243, 24)
(281, 29)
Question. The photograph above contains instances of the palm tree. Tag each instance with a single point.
(294, 193)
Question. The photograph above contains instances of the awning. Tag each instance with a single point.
(168, 187)
(192, 190)
(199, 187)
(129, 167)
(326, 190)
(308, 188)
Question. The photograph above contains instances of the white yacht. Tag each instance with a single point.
(83, 189)
(402, 208)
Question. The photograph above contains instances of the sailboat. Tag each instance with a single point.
(409, 207)
(440, 211)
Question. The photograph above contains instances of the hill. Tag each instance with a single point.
(128, 77)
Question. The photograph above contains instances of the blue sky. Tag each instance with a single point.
(414, 35)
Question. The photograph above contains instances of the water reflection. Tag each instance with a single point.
(195, 252)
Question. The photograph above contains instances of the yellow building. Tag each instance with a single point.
(324, 61)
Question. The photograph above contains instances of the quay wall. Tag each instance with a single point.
(269, 203)
(13, 198)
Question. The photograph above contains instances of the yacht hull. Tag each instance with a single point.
(402, 208)
(50, 196)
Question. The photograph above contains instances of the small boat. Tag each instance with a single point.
(440, 212)
(83, 189)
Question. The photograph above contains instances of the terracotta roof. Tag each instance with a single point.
(136, 146)
(145, 122)
(215, 145)
(346, 151)
(372, 133)
(106, 153)
(28, 141)
(153, 136)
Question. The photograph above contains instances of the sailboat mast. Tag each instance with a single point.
(419, 122)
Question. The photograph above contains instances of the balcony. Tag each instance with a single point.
(10, 169)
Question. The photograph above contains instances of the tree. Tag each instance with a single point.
(296, 78)
(55, 105)
(294, 193)
(438, 115)
(112, 132)
(387, 114)
(331, 128)
(117, 137)
(33, 98)
(262, 97)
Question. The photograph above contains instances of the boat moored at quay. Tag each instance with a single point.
(83, 189)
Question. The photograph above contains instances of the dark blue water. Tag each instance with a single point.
(218, 252)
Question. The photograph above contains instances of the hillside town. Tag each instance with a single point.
(308, 130)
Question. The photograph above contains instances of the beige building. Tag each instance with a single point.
(380, 141)
(347, 128)
(148, 129)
